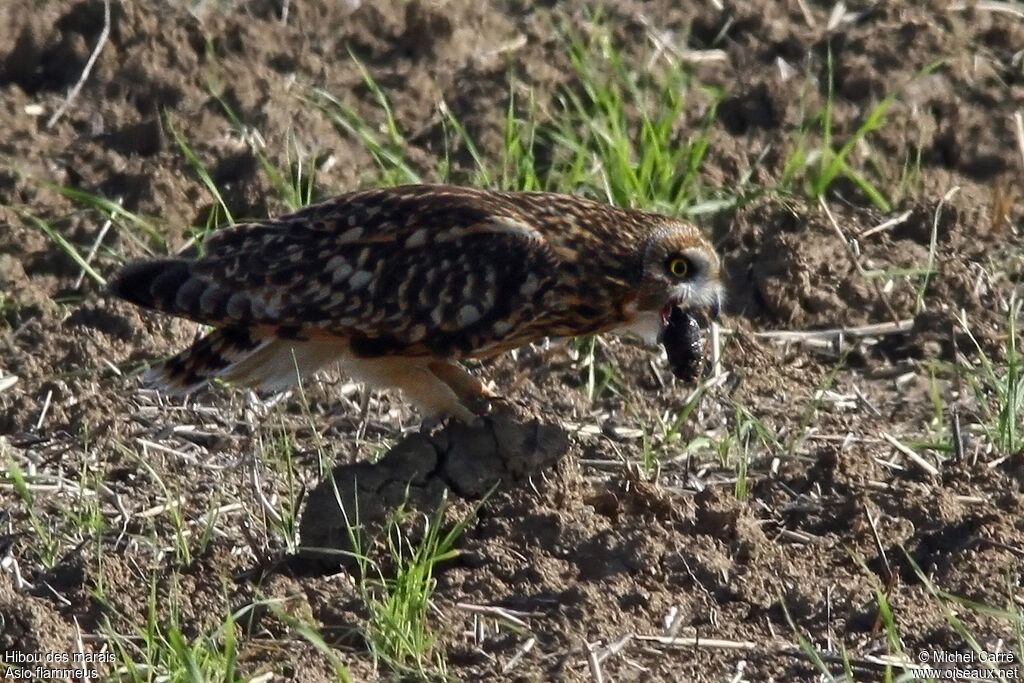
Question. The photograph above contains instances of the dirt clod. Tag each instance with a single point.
(469, 460)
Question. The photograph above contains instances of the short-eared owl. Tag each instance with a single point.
(399, 284)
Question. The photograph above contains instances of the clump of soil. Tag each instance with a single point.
(470, 461)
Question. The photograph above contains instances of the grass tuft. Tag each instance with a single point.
(397, 588)
(998, 388)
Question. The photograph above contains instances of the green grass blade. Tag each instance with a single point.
(62, 244)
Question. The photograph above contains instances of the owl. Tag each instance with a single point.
(398, 285)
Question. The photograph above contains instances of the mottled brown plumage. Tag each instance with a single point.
(398, 284)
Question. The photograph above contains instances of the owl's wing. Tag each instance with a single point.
(444, 288)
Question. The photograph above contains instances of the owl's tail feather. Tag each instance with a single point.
(253, 357)
(262, 357)
(152, 284)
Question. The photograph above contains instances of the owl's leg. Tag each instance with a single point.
(473, 393)
(468, 388)
(434, 398)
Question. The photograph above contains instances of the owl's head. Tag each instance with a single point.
(679, 267)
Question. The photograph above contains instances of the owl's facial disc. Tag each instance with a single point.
(681, 270)
(693, 281)
(686, 277)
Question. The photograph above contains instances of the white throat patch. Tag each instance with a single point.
(647, 325)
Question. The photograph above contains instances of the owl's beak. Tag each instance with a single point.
(715, 309)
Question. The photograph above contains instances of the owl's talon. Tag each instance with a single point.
(493, 404)
(480, 405)
(433, 423)
(508, 406)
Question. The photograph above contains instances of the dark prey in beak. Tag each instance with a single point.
(684, 343)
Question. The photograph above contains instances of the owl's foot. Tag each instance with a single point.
(467, 387)
(494, 404)
(474, 394)
(475, 401)
(438, 421)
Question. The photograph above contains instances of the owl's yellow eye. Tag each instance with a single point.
(679, 266)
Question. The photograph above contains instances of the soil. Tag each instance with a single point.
(588, 549)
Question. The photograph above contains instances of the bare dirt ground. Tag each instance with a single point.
(822, 517)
